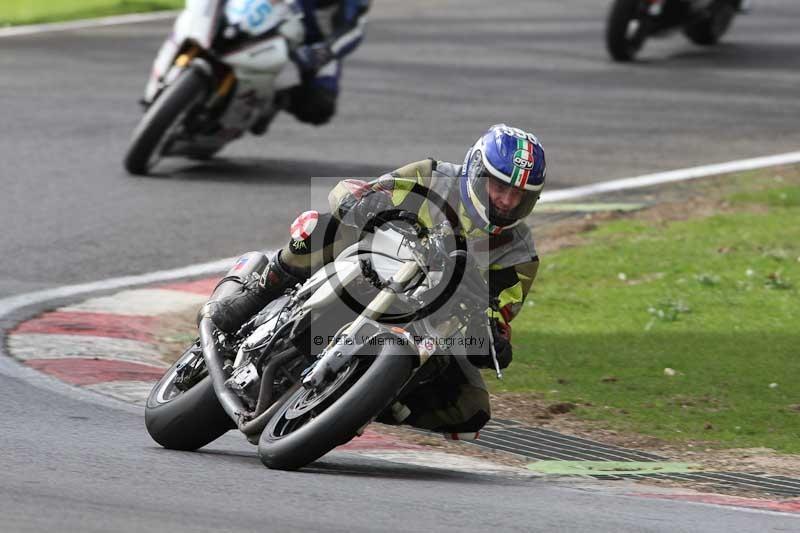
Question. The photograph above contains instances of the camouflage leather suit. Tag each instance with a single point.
(458, 402)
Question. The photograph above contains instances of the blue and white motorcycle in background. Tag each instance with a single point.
(215, 78)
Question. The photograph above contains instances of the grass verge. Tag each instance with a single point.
(13, 12)
(684, 330)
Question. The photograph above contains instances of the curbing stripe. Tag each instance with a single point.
(140, 302)
(201, 286)
(85, 24)
(136, 328)
(84, 372)
(109, 353)
(785, 506)
(33, 346)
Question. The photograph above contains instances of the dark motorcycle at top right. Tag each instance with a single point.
(632, 22)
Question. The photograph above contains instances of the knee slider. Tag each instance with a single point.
(301, 230)
(317, 108)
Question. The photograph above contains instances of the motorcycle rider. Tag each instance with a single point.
(333, 29)
(492, 192)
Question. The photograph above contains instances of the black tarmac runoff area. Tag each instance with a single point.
(430, 77)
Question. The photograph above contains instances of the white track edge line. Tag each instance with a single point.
(659, 178)
(84, 24)
(11, 304)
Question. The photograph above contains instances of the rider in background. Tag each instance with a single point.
(492, 193)
(334, 28)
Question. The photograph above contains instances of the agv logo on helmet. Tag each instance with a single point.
(523, 159)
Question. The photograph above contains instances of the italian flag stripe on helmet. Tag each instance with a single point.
(519, 177)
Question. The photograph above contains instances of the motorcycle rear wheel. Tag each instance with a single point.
(311, 423)
(626, 30)
(709, 30)
(185, 420)
(161, 119)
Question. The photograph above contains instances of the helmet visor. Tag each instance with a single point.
(505, 204)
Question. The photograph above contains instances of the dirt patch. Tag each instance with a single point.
(175, 333)
(750, 460)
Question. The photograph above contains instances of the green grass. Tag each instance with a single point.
(716, 299)
(37, 11)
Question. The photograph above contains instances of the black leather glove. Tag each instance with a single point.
(502, 346)
(370, 206)
(310, 58)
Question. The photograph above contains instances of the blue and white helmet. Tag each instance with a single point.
(502, 159)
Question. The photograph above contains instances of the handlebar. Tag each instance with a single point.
(442, 246)
(391, 216)
(438, 248)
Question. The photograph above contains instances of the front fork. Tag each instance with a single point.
(333, 359)
(224, 78)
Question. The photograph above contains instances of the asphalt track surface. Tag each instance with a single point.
(431, 75)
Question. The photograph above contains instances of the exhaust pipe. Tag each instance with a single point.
(231, 403)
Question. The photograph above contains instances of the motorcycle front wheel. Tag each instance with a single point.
(161, 120)
(185, 416)
(626, 29)
(313, 422)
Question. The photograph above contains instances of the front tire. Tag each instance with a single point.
(185, 420)
(290, 443)
(161, 119)
(626, 30)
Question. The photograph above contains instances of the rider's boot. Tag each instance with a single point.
(229, 313)
(261, 125)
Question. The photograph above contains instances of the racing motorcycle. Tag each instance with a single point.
(216, 77)
(631, 22)
(318, 364)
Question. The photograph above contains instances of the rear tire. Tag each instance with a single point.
(160, 120)
(365, 398)
(185, 420)
(708, 31)
(621, 42)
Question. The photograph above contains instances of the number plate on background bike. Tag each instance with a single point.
(252, 16)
